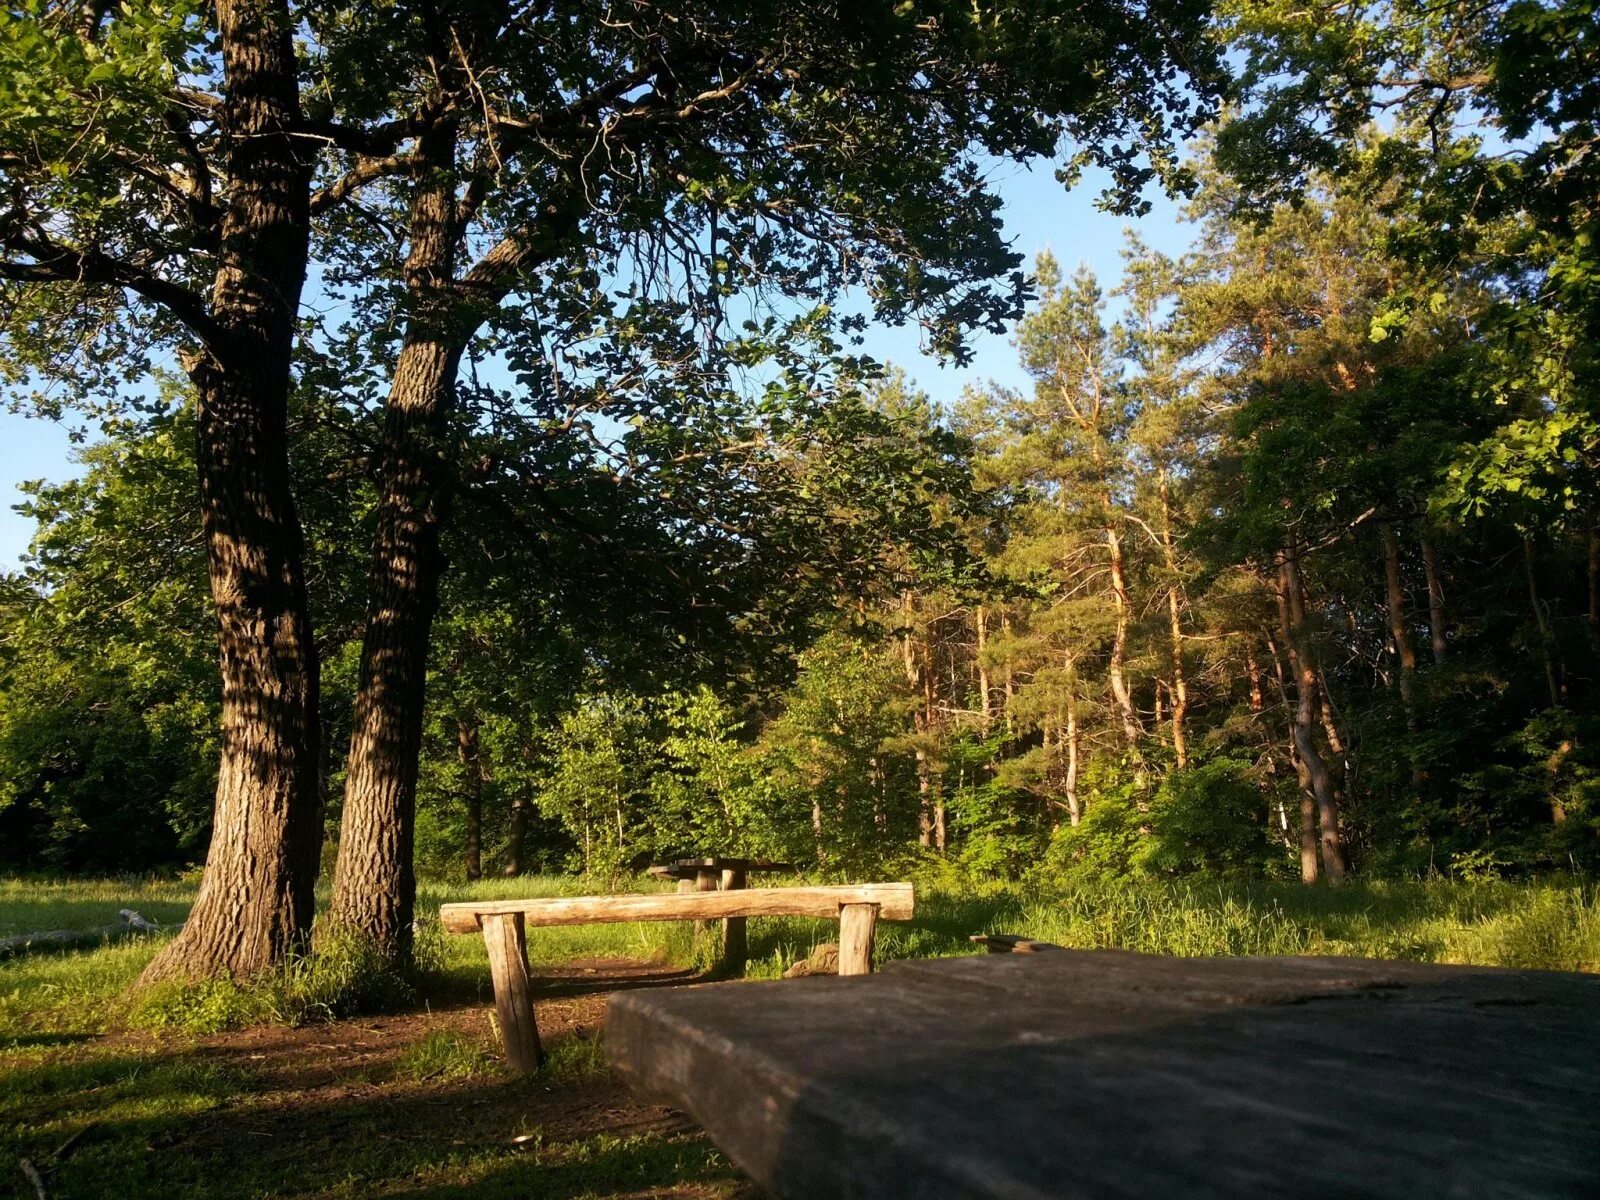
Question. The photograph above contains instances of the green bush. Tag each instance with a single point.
(1209, 819)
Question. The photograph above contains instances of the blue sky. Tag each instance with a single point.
(1038, 214)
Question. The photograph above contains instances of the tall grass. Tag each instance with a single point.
(1553, 924)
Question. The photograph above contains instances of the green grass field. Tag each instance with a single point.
(165, 1101)
(1551, 925)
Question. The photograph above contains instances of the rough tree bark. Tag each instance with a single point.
(374, 883)
(255, 902)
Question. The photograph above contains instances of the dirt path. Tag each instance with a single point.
(410, 1105)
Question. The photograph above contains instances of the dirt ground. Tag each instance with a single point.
(350, 1109)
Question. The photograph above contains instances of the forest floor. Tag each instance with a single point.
(111, 1101)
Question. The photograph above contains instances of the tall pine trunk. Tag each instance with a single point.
(374, 883)
(982, 656)
(1430, 569)
(1074, 805)
(1594, 584)
(914, 669)
(1307, 686)
(1405, 653)
(1180, 687)
(1541, 623)
(470, 752)
(255, 902)
(1120, 693)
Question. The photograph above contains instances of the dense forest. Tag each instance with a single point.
(607, 544)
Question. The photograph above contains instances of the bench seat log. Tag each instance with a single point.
(504, 926)
(895, 902)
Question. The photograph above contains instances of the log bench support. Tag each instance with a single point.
(504, 926)
(858, 930)
(505, 937)
(735, 940)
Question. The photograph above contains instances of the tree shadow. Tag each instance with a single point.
(264, 1116)
(39, 1041)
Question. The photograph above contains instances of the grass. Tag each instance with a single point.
(416, 1104)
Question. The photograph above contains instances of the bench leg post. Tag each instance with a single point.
(735, 941)
(858, 928)
(704, 881)
(506, 940)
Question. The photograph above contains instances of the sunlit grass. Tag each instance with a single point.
(1552, 925)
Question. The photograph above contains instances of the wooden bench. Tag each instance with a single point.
(504, 924)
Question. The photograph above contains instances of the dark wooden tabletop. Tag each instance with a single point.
(1107, 1074)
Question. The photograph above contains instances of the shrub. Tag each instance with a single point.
(1209, 819)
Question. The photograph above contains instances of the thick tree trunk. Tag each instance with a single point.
(255, 902)
(1430, 569)
(374, 884)
(470, 752)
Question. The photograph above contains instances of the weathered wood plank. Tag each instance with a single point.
(858, 926)
(505, 939)
(1134, 1075)
(895, 901)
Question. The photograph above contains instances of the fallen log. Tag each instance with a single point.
(129, 923)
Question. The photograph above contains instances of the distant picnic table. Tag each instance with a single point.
(726, 874)
(1105, 1073)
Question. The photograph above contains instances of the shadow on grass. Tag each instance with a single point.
(189, 1125)
(39, 1041)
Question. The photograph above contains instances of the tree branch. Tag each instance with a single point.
(52, 263)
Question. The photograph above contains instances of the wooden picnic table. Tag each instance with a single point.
(727, 874)
(1109, 1074)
